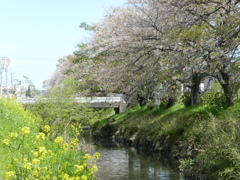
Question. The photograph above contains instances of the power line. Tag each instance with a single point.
(27, 58)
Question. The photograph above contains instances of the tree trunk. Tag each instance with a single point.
(171, 101)
(172, 96)
(195, 89)
(141, 100)
(227, 88)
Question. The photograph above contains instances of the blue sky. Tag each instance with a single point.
(34, 34)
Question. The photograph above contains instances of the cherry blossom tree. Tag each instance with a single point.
(213, 35)
(148, 44)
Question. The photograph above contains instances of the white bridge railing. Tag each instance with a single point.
(81, 100)
(99, 99)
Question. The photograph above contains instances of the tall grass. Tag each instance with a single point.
(27, 153)
(210, 130)
(220, 139)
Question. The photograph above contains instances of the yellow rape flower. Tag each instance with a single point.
(25, 130)
(86, 156)
(25, 160)
(10, 175)
(42, 151)
(47, 176)
(66, 164)
(74, 143)
(34, 153)
(46, 128)
(40, 136)
(35, 161)
(65, 146)
(35, 173)
(76, 178)
(58, 140)
(6, 142)
(96, 155)
(28, 166)
(14, 135)
(84, 177)
(75, 129)
(65, 176)
(79, 168)
(94, 168)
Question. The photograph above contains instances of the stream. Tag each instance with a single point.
(121, 162)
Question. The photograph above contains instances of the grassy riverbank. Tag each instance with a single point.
(205, 138)
(27, 151)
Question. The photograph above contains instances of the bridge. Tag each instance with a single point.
(117, 103)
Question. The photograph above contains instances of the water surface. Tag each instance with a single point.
(120, 162)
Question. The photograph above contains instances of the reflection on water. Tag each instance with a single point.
(119, 162)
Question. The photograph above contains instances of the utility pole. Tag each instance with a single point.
(12, 80)
(6, 81)
(5, 62)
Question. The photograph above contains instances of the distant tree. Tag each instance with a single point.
(31, 90)
(59, 110)
(63, 69)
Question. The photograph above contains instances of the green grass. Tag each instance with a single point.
(213, 130)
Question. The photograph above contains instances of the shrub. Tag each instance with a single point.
(186, 99)
(163, 104)
(213, 97)
(186, 164)
(59, 110)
